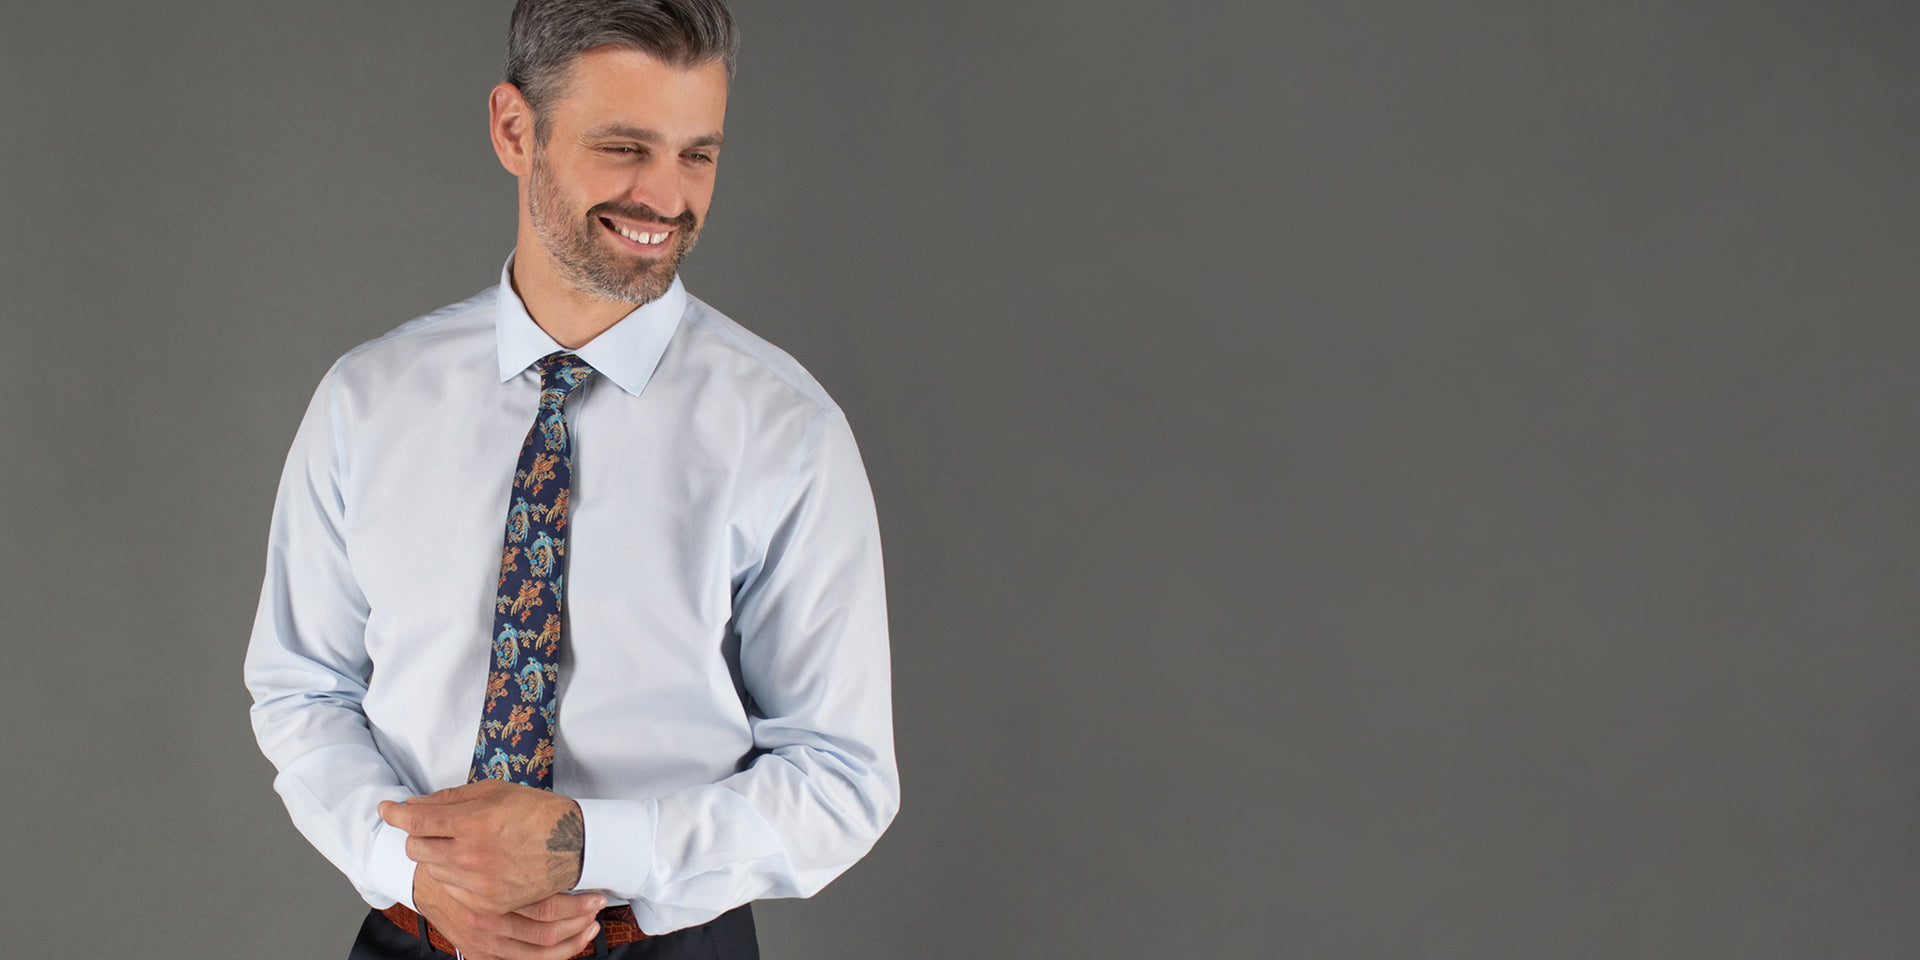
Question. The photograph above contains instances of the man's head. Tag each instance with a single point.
(611, 116)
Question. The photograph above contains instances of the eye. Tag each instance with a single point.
(620, 150)
(700, 158)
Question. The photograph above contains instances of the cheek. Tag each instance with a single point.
(698, 192)
(597, 185)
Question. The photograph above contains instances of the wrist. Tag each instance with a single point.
(567, 846)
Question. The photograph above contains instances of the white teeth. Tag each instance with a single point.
(637, 237)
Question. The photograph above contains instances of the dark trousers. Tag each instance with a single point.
(728, 936)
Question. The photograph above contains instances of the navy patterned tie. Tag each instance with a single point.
(516, 725)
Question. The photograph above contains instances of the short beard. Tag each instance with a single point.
(580, 254)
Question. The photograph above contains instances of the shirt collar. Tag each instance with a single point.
(625, 353)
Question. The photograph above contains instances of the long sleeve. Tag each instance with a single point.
(811, 621)
(307, 668)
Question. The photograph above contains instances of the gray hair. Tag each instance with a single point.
(546, 36)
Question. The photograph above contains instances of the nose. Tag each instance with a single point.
(657, 185)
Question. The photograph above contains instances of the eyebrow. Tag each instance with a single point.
(645, 135)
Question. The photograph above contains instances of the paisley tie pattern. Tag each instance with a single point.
(517, 723)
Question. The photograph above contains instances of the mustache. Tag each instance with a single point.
(642, 212)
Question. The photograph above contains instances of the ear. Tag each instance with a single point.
(510, 121)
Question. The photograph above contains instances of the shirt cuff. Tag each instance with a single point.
(389, 871)
(619, 851)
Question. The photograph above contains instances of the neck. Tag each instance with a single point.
(569, 316)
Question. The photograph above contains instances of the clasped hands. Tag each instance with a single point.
(494, 861)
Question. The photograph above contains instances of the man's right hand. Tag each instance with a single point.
(551, 929)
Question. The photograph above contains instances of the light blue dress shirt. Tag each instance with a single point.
(724, 710)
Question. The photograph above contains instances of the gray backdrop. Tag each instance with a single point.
(1359, 478)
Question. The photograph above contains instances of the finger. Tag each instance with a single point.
(422, 820)
(433, 851)
(563, 905)
(511, 948)
(534, 933)
(569, 947)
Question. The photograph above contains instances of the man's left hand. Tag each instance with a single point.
(495, 846)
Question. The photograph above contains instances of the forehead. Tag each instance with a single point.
(613, 85)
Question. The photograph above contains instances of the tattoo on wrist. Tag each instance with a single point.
(569, 834)
(566, 849)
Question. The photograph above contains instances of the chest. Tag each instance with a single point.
(659, 513)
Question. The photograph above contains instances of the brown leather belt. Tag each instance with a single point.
(617, 928)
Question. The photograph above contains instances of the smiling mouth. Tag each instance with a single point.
(643, 238)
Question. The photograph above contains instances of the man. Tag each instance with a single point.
(572, 638)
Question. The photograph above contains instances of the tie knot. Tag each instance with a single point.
(559, 374)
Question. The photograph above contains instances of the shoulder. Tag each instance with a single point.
(429, 347)
(752, 369)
